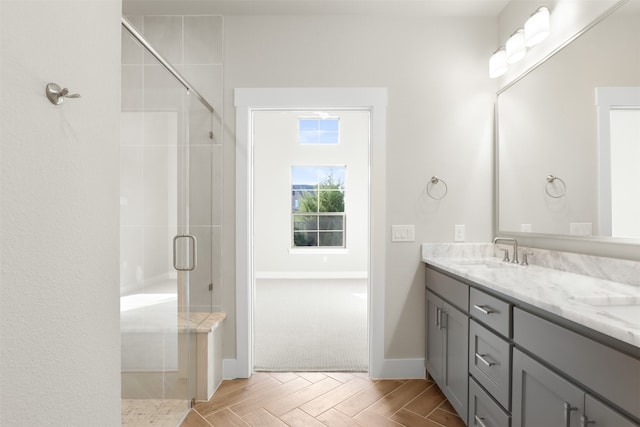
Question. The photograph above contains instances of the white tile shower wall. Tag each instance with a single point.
(194, 46)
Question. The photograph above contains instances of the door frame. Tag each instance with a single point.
(248, 100)
(607, 99)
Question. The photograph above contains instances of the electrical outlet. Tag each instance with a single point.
(525, 228)
(458, 233)
(403, 233)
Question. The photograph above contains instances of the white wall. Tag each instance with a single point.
(276, 151)
(439, 122)
(60, 356)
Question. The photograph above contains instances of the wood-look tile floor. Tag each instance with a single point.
(324, 399)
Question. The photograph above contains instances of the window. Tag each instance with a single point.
(318, 131)
(317, 206)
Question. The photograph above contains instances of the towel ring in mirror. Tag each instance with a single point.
(551, 179)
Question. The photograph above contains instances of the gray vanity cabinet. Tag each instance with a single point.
(500, 365)
(543, 398)
(575, 368)
(435, 355)
(447, 339)
(489, 360)
(484, 411)
(599, 414)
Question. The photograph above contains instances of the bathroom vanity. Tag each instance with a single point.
(530, 346)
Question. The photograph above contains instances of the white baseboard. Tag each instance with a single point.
(402, 369)
(391, 369)
(311, 275)
(229, 369)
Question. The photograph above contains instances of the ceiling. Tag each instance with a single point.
(316, 7)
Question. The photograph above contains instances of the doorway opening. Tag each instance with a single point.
(310, 241)
(326, 101)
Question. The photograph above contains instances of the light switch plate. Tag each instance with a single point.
(403, 233)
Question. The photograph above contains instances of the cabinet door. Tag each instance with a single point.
(541, 397)
(434, 359)
(456, 381)
(601, 415)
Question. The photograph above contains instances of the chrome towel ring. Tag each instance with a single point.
(550, 185)
(434, 181)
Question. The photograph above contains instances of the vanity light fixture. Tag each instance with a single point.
(536, 28)
(498, 63)
(516, 49)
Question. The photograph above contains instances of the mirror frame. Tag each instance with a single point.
(613, 247)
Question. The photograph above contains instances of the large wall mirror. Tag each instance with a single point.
(568, 139)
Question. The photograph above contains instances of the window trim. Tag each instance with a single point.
(343, 213)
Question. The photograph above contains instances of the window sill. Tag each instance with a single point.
(318, 251)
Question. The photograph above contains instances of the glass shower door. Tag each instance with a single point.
(157, 249)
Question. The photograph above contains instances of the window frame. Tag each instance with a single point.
(318, 134)
(318, 214)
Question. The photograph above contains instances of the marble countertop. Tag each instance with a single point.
(609, 307)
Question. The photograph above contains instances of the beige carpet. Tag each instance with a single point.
(311, 325)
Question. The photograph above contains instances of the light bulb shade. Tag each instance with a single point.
(536, 28)
(498, 63)
(516, 49)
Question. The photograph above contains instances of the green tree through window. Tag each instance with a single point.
(318, 209)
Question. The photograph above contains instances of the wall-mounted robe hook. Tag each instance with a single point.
(56, 94)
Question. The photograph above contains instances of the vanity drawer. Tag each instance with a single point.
(491, 311)
(490, 362)
(457, 293)
(483, 410)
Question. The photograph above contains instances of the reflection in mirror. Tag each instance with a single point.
(550, 124)
(625, 172)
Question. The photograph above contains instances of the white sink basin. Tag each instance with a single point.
(481, 263)
(625, 307)
(609, 300)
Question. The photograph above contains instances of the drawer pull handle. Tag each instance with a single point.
(567, 413)
(479, 421)
(481, 357)
(585, 421)
(484, 309)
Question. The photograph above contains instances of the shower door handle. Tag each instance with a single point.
(193, 249)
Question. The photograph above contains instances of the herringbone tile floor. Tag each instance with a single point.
(324, 399)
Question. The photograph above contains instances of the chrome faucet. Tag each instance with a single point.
(515, 247)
